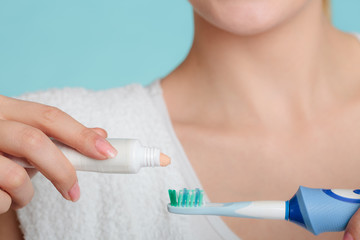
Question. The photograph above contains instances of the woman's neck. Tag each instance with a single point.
(290, 66)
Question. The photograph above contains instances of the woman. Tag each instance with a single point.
(266, 100)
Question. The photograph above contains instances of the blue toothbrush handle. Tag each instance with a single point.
(323, 210)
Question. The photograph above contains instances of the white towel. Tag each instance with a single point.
(115, 206)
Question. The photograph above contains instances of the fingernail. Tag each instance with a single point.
(347, 236)
(74, 192)
(105, 148)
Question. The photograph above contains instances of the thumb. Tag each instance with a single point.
(352, 231)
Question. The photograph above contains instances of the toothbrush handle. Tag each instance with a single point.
(324, 210)
(257, 209)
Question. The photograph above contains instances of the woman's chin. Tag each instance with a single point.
(248, 17)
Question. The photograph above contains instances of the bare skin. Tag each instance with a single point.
(9, 226)
(260, 115)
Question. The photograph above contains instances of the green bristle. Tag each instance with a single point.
(180, 198)
(185, 197)
(188, 198)
(201, 197)
(172, 197)
(176, 195)
(192, 198)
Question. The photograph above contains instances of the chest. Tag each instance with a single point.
(261, 166)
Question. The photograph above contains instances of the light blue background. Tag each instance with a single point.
(104, 43)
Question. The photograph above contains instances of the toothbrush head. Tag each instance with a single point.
(186, 198)
(190, 202)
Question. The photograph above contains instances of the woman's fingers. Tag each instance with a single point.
(15, 181)
(5, 202)
(25, 128)
(100, 131)
(25, 141)
(55, 123)
(352, 231)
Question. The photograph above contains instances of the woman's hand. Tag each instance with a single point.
(352, 231)
(25, 128)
